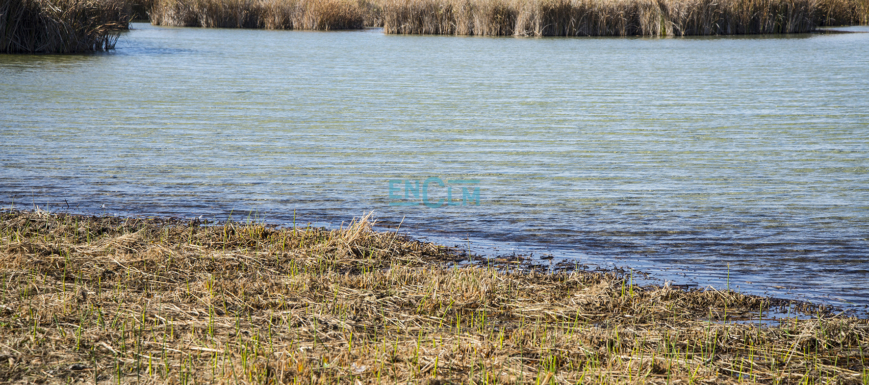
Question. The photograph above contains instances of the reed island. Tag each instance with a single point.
(518, 17)
(73, 26)
(126, 300)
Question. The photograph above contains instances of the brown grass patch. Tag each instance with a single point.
(125, 300)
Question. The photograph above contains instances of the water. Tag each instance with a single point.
(736, 161)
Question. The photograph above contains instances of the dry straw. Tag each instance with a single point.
(61, 26)
(122, 300)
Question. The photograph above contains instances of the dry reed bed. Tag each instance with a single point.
(518, 17)
(119, 300)
(61, 26)
(843, 12)
(268, 14)
(617, 17)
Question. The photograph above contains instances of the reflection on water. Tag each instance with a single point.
(692, 158)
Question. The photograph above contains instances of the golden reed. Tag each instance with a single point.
(61, 26)
(268, 14)
(617, 17)
(843, 12)
(519, 17)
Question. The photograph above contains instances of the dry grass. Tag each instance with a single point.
(519, 17)
(268, 14)
(61, 26)
(157, 301)
(617, 17)
(843, 12)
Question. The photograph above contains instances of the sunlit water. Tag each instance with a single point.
(679, 157)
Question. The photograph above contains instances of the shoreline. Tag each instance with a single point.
(540, 257)
(117, 299)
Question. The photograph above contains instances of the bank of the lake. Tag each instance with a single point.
(688, 158)
(118, 300)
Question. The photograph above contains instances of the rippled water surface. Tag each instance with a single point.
(679, 157)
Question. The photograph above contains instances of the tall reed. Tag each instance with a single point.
(616, 17)
(61, 26)
(518, 17)
(843, 12)
(268, 14)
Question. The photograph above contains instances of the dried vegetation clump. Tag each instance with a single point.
(617, 17)
(518, 17)
(269, 14)
(61, 26)
(115, 300)
(843, 12)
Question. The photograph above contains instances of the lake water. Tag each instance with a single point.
(694, 159)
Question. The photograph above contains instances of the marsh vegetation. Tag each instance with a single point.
(617, 17)
(70, 26)
(268, 14)
(61, 26)
(162, 301)
(520, 17)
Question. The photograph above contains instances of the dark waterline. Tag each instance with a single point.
(694, 159)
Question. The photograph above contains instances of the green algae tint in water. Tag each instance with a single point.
(676, 156)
